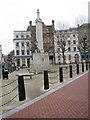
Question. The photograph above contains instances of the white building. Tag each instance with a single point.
(70, 36)
(22, 47)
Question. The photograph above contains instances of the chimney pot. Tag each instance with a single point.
(53, 22)
(30, 23)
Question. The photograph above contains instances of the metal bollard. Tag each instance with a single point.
(70, 71)
(46, 82)
(82, 67)
(86, 65)
(77, 68)
(89, 64)
(3, 73)
(21, 88)
(61, 74)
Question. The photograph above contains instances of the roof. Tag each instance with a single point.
(85, 25)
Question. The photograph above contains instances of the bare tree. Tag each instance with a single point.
(62, 25)
(62, 49)
(84, 47)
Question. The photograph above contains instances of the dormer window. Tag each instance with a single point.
(17, 36)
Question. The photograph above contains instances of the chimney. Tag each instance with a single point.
(53, 22)
(30, 23)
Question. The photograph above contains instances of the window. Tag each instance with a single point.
(23, 52)
(18, 62)
(27, 44)
(74, 48)
(17, 44)
(58, 57)
(69, 49)
(28, 61)
(73, 35)
(69, 42)
(83, 56)
(22, 44)
(27, 36)
(74, 41)
(76, 58)
(17, 52)
(27, 52)
(69, 57)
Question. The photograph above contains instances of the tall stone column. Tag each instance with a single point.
(39, 32)
(40, 58)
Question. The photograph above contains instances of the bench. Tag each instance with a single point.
(26, 74)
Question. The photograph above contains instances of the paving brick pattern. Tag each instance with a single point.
(71, 101)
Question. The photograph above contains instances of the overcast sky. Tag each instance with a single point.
(16, 14)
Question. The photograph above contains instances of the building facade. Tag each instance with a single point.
(72, 54)
(22, 48)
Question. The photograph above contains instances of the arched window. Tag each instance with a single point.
(76, 58)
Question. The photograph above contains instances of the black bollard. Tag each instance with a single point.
(21, 88)
(82, 67)
(77, 69)
(86, 65)
(89, 64)
(3, 73)
(61, 74)
(70, 71)
(46, 82)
